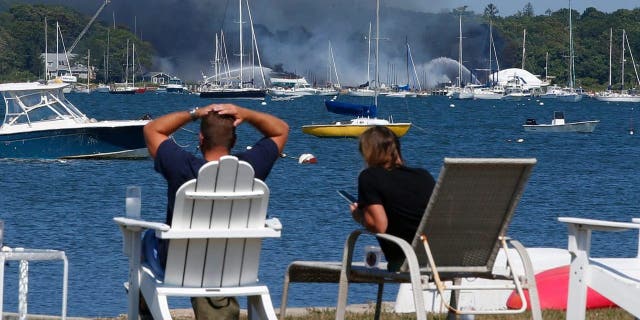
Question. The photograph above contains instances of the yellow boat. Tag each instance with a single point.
(366, 114)
(354, 128)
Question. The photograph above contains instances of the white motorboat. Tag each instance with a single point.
(39, 122)
(175, 85)
(492, 93)
(558, 124)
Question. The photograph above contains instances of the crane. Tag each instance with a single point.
(87, 26)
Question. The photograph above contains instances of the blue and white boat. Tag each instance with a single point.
(39, 122)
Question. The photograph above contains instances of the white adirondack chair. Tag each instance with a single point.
(616, 278)
(215, 239)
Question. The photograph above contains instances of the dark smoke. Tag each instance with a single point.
(295, 34)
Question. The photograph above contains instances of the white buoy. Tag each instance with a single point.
(542, 103)
(452, 105)
(264, 103)
(307, 158)
(520, 140)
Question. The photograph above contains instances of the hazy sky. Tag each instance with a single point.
(509, 7)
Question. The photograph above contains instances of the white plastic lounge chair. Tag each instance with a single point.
(465, 225)
(617, 279)
(215, 239)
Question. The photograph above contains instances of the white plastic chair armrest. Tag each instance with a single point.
(273, 223)
(600, 225)
(219, 234)
(136, 224)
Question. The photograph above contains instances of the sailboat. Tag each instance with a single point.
(365, 114)
(405, 90)
(459, 91)
(492, 91)
(569, 94)
(86, 89)
(623, 95)
(125, 88)
(239, 89)
(364, 90)
(66, 75)
(331, 88)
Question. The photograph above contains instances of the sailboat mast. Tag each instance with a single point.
(415, 73)
(524, 47)
(216, 61)
(633, 61)
(46, 52)
(133, 64)
(572, 74)
(460, 52)
(377, 51)
(106, 63)
(255, 50)
(495, 54)
(490, 46)
(126, 69)
(333, 62)
(406, 40)
(369, 58)
(624, 34)
(58, 49)
(329, 64)
(610, 51)
(241, 50)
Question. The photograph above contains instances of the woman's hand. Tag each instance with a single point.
(356, 213)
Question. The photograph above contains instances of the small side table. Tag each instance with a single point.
(24, 255)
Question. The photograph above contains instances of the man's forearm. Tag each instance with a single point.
(169, 123)
(158, 130)
(269, 125)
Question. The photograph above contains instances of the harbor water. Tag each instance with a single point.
(69, 204)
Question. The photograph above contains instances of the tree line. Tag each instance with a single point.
(548, 33)
(22, 42)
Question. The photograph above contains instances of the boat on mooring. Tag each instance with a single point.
(366, 115)
(365, 118)
(558, 124)
(39, 122)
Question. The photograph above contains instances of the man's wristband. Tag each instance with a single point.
(193, 114)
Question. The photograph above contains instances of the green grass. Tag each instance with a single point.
(329, 314)
(320, 314)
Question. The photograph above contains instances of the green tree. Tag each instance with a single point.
(527, 11)
(22, 40)
(491, 11)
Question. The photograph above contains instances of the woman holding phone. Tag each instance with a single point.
(391, 196)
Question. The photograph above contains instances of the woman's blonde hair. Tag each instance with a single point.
(380, 147)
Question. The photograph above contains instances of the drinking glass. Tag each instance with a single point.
(372, 256)
(133, 202)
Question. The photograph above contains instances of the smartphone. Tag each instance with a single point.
(347, 196)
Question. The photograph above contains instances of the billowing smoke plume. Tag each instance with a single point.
(295, 35)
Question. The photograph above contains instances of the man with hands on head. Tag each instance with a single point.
(216, 138)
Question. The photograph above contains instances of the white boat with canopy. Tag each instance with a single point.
(39, 122)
